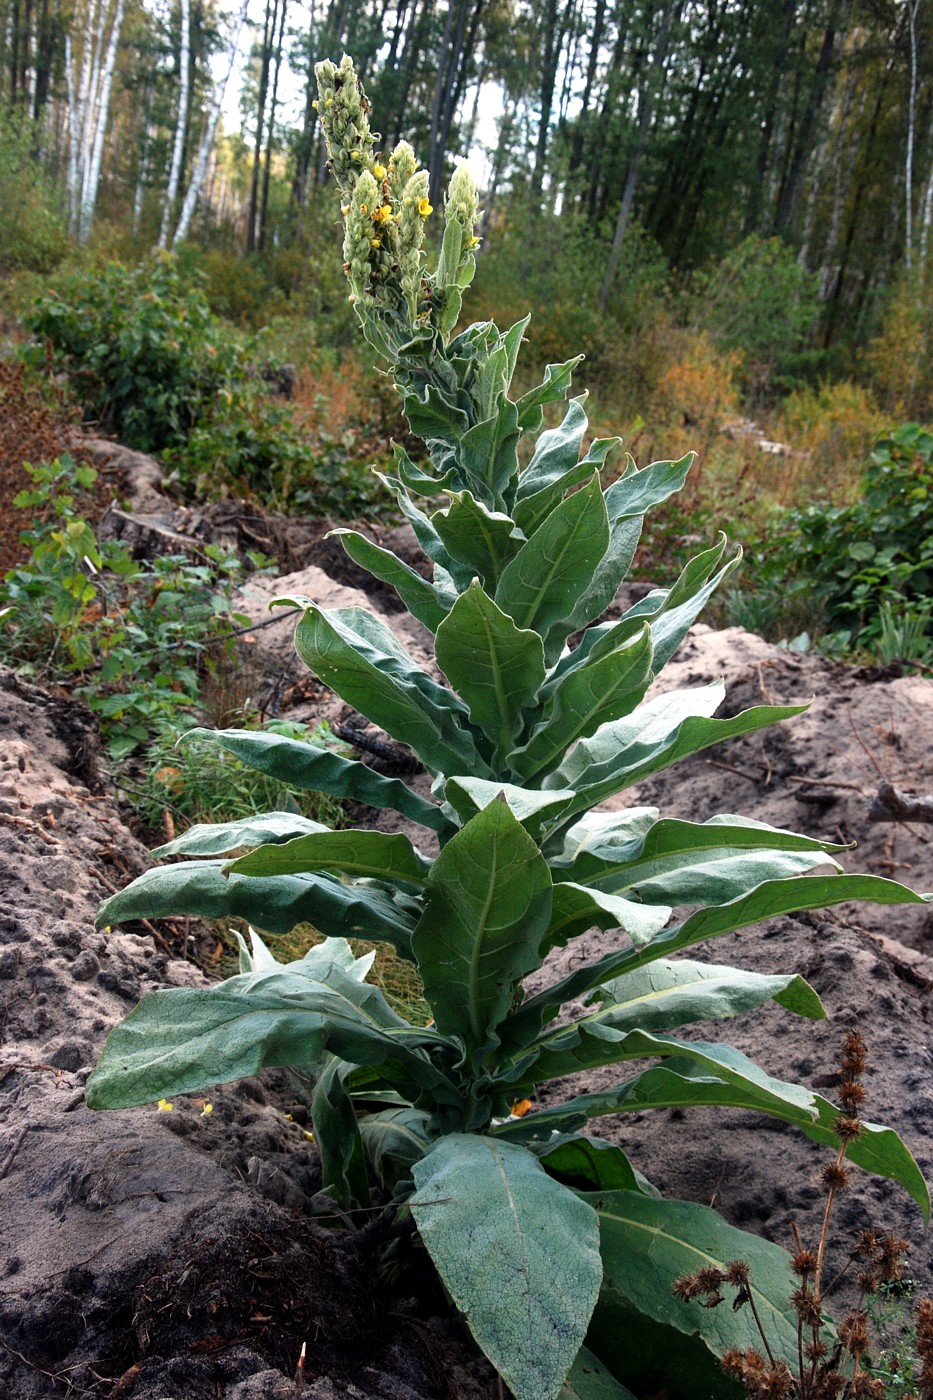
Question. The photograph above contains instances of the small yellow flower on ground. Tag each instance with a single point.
(165, 1106)
(207, 1110)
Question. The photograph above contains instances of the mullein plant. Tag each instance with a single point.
(558, 1253)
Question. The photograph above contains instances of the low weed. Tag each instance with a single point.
(832, 1363)
(133, 640)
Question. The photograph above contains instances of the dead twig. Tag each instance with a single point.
(826, 782)
(10, 1157)
(757, 778)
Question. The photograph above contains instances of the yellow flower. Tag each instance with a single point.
(207, 1110)
(165, 1106)
(376, 242)
(379, 171)
(309, 1137)
(383, 214)
(425, 207)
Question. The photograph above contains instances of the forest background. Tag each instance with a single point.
(728, 204)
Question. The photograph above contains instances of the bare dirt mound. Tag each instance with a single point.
(153, 1254)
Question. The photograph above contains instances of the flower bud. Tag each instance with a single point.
(343, 110)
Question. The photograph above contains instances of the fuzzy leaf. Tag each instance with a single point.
(482, 927)
(533, 808)
(378, 855)
(180, 1040)
(217, 838)
(518, 1253)
(386, 686)
(200, 887)
(767, 901)
(647, 1244)
(540, 586)
(496, 666)
(420, 597)
(662, 731)
(314, 769)
(337, 1137)
(687, 1083)
(481, 539)
(555, 386)
(393, 1141)
(487, 453)
(604, 690)
(589, 1379)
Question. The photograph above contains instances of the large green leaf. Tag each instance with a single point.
(553, 469)
(656, 736)
(647, 1244)
(692, 1083)
(202, 888)
(637, 492)
(605, 637)
(589, 1379)
(495, 665)
(615, 1034)
(530, 510)
(217, 838)
(487, 906)
(602, 850)
(337, 1137)
(588, 1164)
(577, 909)
(770, 899)
(605, 690)
(487, 453)
(667, 993)
(387, 687)
(321, 770)
(180, 1040)
(477, 537)
(626, 502)
(378, 855)
(535, 810)
(540, 585)
(518, 1253)
(393, 1140)
(554, 386)
(420, 597)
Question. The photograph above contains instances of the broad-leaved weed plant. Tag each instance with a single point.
(530, 1222)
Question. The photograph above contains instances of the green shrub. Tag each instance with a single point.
(864, 572)
(145, 356)
(133, 640)
(151, 363)
(33, 234)
(760, 302)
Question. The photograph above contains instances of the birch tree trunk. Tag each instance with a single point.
(210, 132)
(92, 181)
(181, 126)
(912, 7)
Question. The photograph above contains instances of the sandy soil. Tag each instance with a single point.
(158, 1255)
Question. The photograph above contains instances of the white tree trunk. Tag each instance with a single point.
(174, 175)
(210, 131)
(912, 7)
(102, 112)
